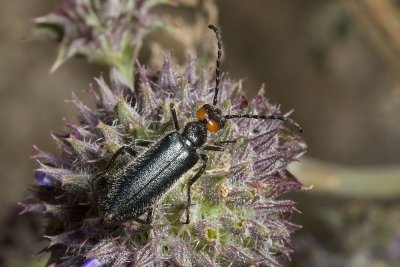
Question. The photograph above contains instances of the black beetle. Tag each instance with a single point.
(130, 191)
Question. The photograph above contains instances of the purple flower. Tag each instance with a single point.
(109, 32)
(236, 218)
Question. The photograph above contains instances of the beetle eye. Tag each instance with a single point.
(202, 114)
(212, 126)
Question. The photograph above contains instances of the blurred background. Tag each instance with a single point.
(335, 62)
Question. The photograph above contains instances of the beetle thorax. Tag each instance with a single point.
(196, 132)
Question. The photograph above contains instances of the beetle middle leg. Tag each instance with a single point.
(204, 158)
(217, 146)
(230, 141)
(149, 217)
(214, 148)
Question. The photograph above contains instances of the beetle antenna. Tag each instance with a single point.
(219, 39)
(263, 117)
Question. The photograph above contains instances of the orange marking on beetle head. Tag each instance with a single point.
(202, 114)
(211, 117)
(212, 126)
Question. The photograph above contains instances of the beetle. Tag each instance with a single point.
(129, 191)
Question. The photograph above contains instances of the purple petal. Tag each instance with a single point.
(168, 79)
(44, 179)
(91, 263)
(35, 207)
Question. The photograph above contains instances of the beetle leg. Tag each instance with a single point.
(141, 142)
(213, 148)
(174, 117)
(149, 216)
(232, 141)
(217, 146)
(138, 220)
(191, 182)
(121, 150)
(111, 162)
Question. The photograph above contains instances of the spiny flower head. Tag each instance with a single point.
(236, 218)
(105, 31)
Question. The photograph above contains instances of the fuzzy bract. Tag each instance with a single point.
(104, 31)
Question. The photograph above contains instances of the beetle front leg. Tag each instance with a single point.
(174, 117)
(191, 182)
(217, 146)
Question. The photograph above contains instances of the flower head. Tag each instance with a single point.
(236, 218)
(105, 31)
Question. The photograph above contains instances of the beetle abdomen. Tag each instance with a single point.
(131, 190)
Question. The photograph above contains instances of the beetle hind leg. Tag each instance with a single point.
(148, 220)
(149, 217)
(204, 158)
(121, 150)
(111, 163)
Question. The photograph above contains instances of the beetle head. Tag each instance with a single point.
(211, 117)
